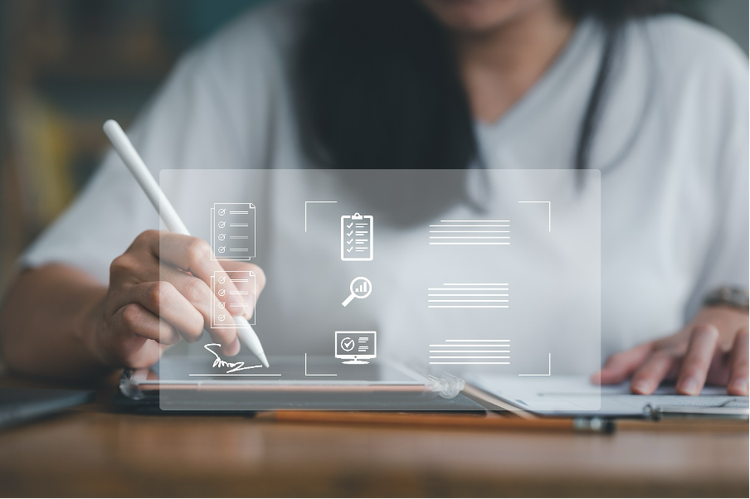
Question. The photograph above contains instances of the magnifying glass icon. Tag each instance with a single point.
(360, 288)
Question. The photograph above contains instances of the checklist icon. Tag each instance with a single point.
(233, 231)
(356, 238)
(222, 310)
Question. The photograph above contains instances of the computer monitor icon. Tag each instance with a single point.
(354, 346)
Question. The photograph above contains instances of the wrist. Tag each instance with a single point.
(89, 324)
(729, 297)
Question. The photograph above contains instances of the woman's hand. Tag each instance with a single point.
(712, 349)
(160, 292)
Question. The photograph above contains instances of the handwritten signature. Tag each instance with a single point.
(221, 363)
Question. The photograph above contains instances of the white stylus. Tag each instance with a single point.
(137, 167)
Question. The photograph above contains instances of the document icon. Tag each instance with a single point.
(222, 311)
(233, 231)
(356, 238)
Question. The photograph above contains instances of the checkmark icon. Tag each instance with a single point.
(349, 233)
(347, 344)
(350, 225)
(349, 250)
(349, 241)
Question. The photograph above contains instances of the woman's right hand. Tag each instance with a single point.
(160, 292)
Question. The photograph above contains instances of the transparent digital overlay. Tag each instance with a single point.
(390, 290)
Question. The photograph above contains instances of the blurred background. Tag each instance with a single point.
(68, 65)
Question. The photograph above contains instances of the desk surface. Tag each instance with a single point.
(92, 451)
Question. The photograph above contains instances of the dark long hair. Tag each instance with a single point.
(377, 84)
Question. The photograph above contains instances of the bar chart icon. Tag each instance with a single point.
(360, 288)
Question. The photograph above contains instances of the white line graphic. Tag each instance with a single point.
(469, 351)
(454, 295)
(308, 374)
(470, 363)
(475, 284)
(468, 306)
(549, 210)
(473, 345)
(480, 221)
(315, 202)
(221, 363)
(467, 301)
(476, 341)
(234, 375)
(470, 356)
(233, 366)
(467, 357)
(465, 233)
(469, 294)
(549, 369)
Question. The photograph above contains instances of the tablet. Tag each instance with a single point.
(307, 382)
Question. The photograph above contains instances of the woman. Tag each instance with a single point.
(656, 102)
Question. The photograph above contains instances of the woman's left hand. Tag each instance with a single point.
(712, 349)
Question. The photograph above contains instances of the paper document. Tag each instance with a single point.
(573, 395)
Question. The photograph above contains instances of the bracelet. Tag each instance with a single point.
(737, 298)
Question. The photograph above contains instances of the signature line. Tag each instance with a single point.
(220, 363)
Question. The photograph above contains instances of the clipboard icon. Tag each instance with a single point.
(356, 238)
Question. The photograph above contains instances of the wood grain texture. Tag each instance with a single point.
(92, 451)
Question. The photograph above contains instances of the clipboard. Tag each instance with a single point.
(357, 238)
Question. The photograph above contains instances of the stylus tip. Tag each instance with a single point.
(263, 359)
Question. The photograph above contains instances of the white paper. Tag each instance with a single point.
(574, 395)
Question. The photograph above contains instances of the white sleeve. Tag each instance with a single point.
(726, 263)
(187, 125)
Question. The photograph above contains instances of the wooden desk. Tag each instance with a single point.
(92, 451)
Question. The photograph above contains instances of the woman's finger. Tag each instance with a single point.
(163, 300)
(648, 376)
(738, 365)
(135, 320)
(621, 365)
(697, 360)
(252, 286)
(193, 255)
(209, 313)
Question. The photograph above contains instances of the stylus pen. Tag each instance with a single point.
(137, 167)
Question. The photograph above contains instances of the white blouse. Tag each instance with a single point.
(672, 147)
